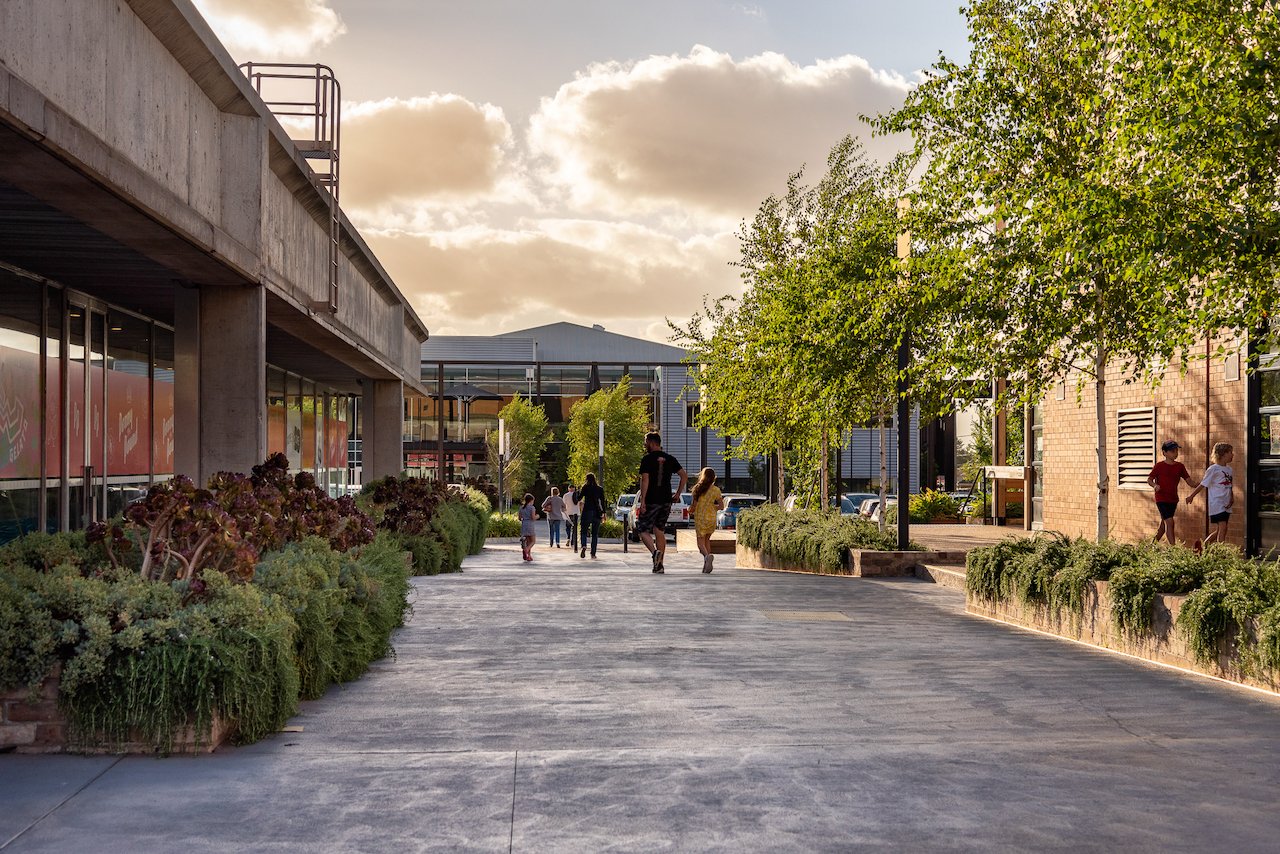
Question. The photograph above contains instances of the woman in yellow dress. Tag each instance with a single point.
(706, 501)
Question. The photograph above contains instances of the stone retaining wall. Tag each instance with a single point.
(35, 725)
(860, 563)
(1095, 626)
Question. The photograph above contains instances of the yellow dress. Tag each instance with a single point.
(704, 512)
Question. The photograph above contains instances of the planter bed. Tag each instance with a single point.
(860, 563)
(1094, 626)
(722, 542)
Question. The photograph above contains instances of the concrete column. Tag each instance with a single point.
(220, 394)
(186, 381)
(382, 405)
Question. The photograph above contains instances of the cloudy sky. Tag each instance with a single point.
(519, 162)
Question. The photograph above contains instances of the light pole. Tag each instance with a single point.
(904, 403)
(502, 464)
(600, 457)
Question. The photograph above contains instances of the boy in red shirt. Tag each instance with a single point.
(1164, 479)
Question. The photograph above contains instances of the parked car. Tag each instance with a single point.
(735, 503)
(870, 508)
(891, 501)
(623, 507)
(856, 499)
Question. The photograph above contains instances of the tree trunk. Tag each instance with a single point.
(782, 481)
(823, 488)
(884, 468)
(1100, 365)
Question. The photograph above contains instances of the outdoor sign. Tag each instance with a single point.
(1005, 472)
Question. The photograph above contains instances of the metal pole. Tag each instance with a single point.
(600, 463)
(440, 422)
(904, 404)
(502, 464)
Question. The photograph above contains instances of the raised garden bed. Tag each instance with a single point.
(1215, 614)
(860, 563)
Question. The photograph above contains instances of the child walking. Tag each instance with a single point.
(1164, 479)
(1217, 483)
(555, 510)
(528, 515)
(707, 499)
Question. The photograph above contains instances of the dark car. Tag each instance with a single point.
(733, 505)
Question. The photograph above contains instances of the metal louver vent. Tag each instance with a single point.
(1135, 445)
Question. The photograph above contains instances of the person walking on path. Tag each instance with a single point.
(592, 503)
(554, 508)
(572, 502)
(1164, 479)
(528, 515)
(1218, 483)
(707, 499)
(653, 505)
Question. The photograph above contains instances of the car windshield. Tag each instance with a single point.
(626, 500)
(745, 502)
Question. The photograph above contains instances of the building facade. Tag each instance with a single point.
(468, 379)
(178, 292)
(1217, 400)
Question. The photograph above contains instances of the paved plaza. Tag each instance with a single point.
(593, 706)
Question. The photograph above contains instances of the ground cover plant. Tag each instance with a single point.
(811, 538)
(1233, 603)
(227, 603)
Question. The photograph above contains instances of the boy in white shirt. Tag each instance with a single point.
(1217, 484)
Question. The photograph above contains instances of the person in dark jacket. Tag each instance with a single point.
(591, 508)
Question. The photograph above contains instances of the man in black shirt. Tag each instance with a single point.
(653, 505)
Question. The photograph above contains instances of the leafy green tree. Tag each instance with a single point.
(1050, 247)
(809, 350)
(527, 434)
(625, 423)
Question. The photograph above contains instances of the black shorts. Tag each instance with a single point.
(1167, 508)
(1220, 517)
(653, 519)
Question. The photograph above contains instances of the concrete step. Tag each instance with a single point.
(946, 574)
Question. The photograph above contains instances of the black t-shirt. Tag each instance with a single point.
(660, 466)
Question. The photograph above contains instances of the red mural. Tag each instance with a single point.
(128, 423)
(19, 414)
(163, 431)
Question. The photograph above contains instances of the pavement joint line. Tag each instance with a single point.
(1270, 695)
(61, 803)
(515, 776)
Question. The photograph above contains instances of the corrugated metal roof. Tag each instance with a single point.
(460, 348)
(569, 342)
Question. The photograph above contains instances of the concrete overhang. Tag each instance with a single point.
(185, 34)
(60, 224)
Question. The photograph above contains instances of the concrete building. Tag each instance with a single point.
(178, 290)
(560, 364)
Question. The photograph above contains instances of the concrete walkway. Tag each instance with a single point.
(580, 706)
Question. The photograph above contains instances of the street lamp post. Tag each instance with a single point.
(904, 403)
(502, 464)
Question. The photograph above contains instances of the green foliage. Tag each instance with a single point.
(1229, 598)
(504, 525)
(927, 506)
(821, 541)
(625, 423)
(809, 347)
(611, 528)
(145, 660)
(527, 434)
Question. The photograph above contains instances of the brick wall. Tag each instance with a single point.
(1070, 468)
(32, 725)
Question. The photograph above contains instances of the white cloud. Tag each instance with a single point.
(484, 280)
(269, 29)
(704, 130)
(440, 148)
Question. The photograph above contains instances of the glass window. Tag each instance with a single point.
(293, 422)
(276, 418)
(162, 422)
(21, 405)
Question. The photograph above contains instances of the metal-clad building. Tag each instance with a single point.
(561, 363)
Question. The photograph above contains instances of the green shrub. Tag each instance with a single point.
(504, 525)
(927, 506)
(1151, 570)
(611, 528)
(146, 660)
(820, 541)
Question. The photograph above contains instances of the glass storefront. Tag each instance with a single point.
(87, 410)
(1268, 432)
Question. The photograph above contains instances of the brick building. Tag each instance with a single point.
(1217, 400)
